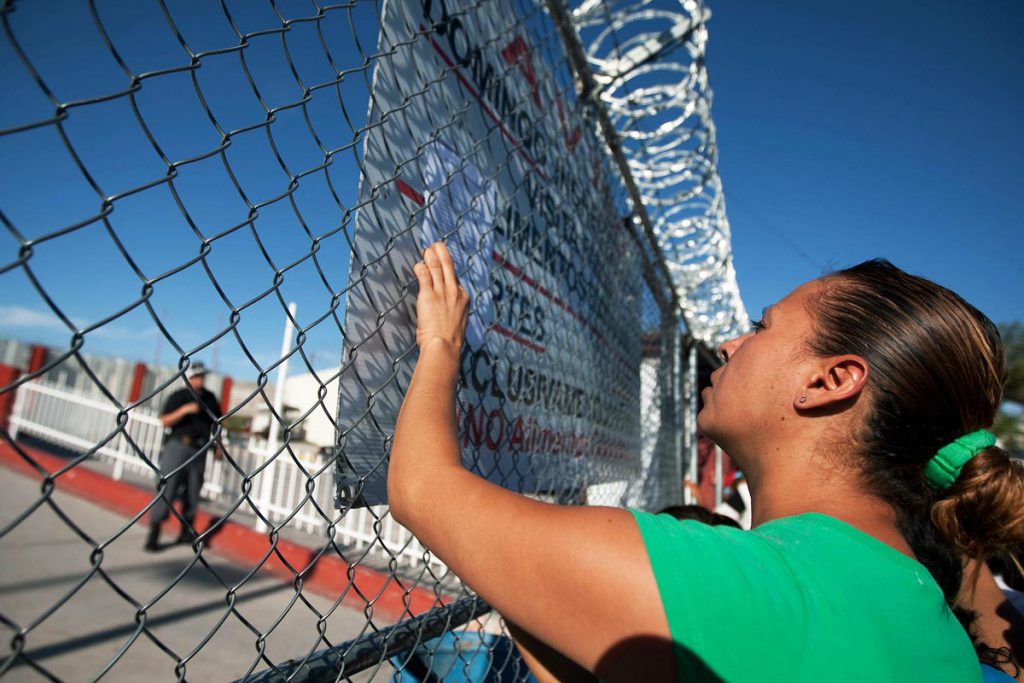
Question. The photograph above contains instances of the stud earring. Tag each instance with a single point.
(803, 399)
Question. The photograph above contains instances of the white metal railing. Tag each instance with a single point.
(56, 414)
(61, 416)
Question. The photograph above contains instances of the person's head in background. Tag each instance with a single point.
(197, 375)
(699, 514)
(852, 384)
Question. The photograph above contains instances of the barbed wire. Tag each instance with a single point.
(648, 60)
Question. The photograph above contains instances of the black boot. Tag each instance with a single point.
(187, 535)
(152, 539)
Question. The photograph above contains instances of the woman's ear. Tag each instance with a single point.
(834, 380)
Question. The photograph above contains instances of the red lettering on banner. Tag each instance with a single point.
(570, 139)
(473, 427)
(496, 418)
(518, 53)
(487, 429)
(516, 439)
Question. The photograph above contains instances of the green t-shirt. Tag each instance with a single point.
(804, 598)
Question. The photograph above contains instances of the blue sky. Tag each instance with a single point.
(845, 132)
(853, 130)
(99, 270)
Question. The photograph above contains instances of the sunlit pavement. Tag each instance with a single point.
(42, 561)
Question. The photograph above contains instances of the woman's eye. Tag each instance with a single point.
(758, 325)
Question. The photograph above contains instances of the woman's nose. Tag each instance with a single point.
(728, 348)
(725, 350)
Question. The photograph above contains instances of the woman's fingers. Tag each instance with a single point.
(451, 282)
(436, 273)
(442, 304)
(441, 269)
(423, 277)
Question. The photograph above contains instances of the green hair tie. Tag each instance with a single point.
(943, 469)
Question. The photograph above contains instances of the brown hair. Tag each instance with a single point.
(937, 368)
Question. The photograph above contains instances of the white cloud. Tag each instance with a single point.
(110, 331)
(21, 316)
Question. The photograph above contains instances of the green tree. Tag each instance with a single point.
(1008, 423)
(1013, 342)
(1008, 428)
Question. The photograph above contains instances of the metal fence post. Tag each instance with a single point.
(679, 404)
(8, 375)
(274, 428)
(690, 412)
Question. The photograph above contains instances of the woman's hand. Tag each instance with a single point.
(442, 307)
(505, 545)
(426, 439)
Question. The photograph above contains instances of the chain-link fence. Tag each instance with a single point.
(182, 181)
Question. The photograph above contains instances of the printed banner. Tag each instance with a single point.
(470, 141)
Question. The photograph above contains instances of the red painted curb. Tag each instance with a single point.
(328, 575)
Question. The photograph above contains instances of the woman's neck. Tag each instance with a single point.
(833, 493)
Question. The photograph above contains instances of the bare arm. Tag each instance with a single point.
(547, 664)
(576, 578)
(998, 623)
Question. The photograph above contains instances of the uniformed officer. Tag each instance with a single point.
(187, 416)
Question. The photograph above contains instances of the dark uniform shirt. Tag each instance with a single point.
(194, 428)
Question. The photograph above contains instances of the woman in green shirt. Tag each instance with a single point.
(854, 410)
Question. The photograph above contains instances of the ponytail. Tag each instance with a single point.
(982, 514)
(937, 370)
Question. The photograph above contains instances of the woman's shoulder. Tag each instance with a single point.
(669, 541)
(792, 589)
(826, 541)
(790, 568)
(812, 534)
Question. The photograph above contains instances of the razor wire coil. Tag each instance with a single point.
(654, 81)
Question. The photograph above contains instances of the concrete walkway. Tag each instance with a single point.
(79, 631)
